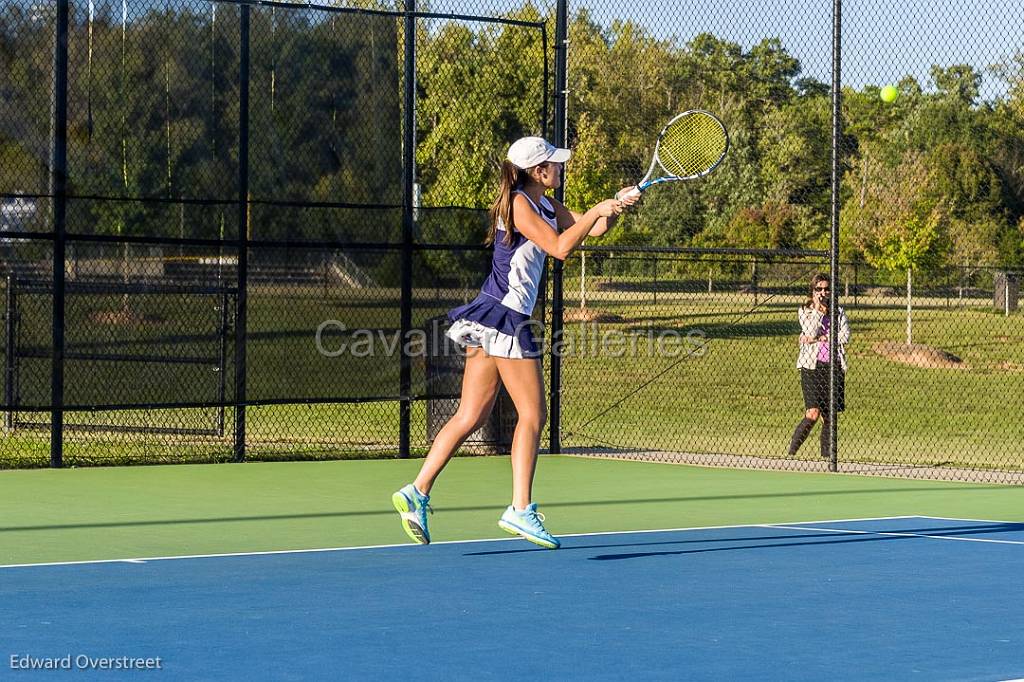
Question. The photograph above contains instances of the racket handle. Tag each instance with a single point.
(634, 192)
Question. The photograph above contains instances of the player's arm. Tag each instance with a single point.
(559, 244)
(568, 217)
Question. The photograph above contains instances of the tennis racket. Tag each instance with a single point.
(690, 146)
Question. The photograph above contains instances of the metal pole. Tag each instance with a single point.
(408, 206)
(10, 349)
(59, 178)
(242, 300)
(833, 303)
(655, 287)
(753, 280)
(222, 358)
(561, 92)
(547, 77)
(856, 283)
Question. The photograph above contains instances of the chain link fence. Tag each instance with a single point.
(215, 240)
(929, 220)
(252, 208)
(691, 356)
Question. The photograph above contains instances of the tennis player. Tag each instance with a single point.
(813, 362)
(497, 333)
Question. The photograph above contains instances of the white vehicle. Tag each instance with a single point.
(16, 214)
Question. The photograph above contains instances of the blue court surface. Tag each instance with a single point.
(893, 599)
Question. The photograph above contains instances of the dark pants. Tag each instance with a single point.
(814, 384)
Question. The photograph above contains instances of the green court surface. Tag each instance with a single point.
(139, 512)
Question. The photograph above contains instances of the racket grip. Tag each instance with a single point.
(634, 192)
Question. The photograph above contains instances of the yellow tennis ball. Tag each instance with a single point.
(889, 94)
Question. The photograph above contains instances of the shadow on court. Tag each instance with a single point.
(387, 511)
(772, 541)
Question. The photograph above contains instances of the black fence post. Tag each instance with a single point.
(655, 287)
(222, 356)
(58, 179)
(408, 189)
(561, 93)
(242, 299)
(753, 280)
(833, 422)
(10, 349)
(326, 275)
(856, 282)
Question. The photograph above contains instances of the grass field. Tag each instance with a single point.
(741, 395)
(738, 395)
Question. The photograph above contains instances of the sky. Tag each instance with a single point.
(883, 40)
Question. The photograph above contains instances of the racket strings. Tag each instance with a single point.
(692, 145)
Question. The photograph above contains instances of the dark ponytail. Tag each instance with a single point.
(512, 177)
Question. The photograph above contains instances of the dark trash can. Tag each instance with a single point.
(445, 363)
(1007, 291)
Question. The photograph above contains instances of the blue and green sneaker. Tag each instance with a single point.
(413, 508)
(529, 524)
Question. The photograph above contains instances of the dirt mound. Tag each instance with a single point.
(123, 318)
(589, 315)
(919, 355)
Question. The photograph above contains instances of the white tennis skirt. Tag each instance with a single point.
(499, 330)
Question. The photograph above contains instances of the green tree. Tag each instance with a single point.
(461, 133)
(959, 82)
(770, 226)
(971, 189)
(796, 160)
(902, 225)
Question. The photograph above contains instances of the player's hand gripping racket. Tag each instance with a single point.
(690, 146)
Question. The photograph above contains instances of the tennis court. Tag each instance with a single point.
(299, 571)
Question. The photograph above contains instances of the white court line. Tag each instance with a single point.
(947, 518)
(898, 534)
(142, 560)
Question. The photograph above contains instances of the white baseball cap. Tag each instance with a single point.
(527, 152)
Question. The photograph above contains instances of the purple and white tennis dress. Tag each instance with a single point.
(498, 320)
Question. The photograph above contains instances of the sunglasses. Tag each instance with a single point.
(821, 288)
